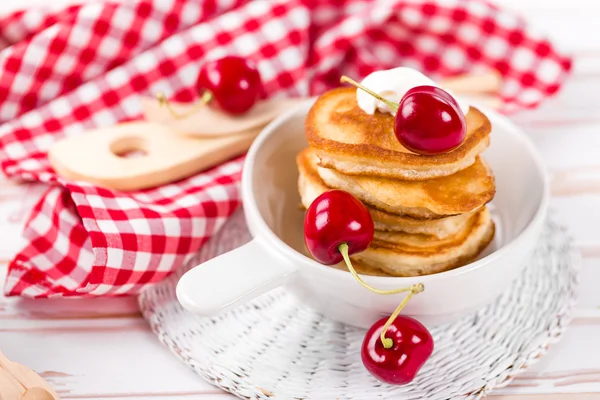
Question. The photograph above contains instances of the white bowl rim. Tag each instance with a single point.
(250, 206)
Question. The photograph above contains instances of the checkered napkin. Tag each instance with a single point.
(65, 70)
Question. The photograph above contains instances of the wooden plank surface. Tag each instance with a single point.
(94, 349)
(103, 349)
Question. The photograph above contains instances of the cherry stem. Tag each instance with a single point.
(207, 96)
(413, 289)
(343, 248)
(389, 103)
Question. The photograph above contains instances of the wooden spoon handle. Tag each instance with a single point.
(37, 393)
(10, 387)
(206, 122)
(487, 82)
(19, 379)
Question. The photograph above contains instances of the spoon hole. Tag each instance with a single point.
(129, 147)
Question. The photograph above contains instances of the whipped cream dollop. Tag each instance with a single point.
(393, 85)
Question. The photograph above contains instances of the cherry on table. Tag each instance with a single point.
(334, 219)
(232, 82)
(409, 345)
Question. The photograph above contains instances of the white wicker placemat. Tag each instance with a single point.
(278, 348)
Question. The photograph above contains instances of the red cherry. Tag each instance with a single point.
(234, 83)
(334, 218)
(430, 121)
(412, 345)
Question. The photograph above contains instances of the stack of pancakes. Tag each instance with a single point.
(429, 211)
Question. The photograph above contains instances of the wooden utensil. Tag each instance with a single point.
(205, 122)
(37, 393)
(168, 148)
(18, 382)
(158, 154)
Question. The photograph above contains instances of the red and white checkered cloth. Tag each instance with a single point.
(63, 71)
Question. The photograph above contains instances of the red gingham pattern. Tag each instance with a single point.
(55, 52)
(86, 66)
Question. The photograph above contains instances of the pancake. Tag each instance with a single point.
(355, 143)
(466, 191)
(310, 186)
(439, 227)
(400, 254)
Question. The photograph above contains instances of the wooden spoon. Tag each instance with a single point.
(139, 155)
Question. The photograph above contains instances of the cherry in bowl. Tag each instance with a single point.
(337, 224)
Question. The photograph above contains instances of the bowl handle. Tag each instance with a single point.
(232, 278)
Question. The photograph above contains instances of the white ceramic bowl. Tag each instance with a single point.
(277, 255)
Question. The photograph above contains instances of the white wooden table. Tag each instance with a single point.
(103, 349)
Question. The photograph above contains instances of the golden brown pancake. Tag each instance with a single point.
(353, 142)
(310, 186)
(439, 227)
(400, 254)
(466, 191)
